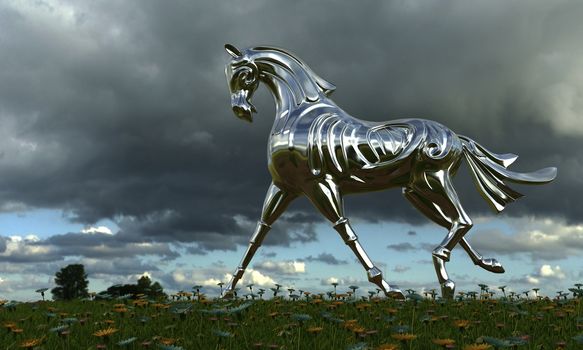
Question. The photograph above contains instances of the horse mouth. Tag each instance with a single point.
(242, 108)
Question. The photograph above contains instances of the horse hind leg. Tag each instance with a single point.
(435, 196)
(427, 208)
(326, 197)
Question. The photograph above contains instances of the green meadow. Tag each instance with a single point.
(472, 321)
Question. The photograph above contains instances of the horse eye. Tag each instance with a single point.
(246, 78)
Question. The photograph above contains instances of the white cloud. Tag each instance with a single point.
(282, 267)
(98, 229)
(540, 238)
(256, 277)
(548, 271)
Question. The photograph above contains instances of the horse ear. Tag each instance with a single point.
(232, 50)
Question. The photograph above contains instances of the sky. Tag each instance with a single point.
(119, 149)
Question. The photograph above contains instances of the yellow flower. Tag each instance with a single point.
(315, 330)
(392, 311)
(30, 343)
(477, 347)
(443, 342)
(461, 324)
(363, 306)
(403, 336)
(9, 325)
(388, 347)
(105, 332)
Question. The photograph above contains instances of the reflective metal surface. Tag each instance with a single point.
(318, 150)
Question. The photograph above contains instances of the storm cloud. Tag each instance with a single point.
(120, 110)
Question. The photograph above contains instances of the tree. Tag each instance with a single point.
(72, 283)
(144, 286)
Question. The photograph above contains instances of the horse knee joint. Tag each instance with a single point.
(342, 226)
(374, 275)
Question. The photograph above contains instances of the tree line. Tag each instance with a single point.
(72, 283)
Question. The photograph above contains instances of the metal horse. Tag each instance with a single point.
(318, 150)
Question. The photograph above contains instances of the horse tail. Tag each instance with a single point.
(489, 170)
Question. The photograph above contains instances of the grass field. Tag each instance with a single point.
(472, 321)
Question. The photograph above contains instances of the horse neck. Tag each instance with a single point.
(288, 96)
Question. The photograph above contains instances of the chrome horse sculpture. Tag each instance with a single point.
(318, 150)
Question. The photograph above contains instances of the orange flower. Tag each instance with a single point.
(9, 325)
(315, 330)
(443, 342)
(403, 336)
(461, 324)
(30, 343)
(388, 346)
(167, 341)
(392, 311)
(477, 347)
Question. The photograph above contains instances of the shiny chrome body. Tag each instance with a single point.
(318, 150)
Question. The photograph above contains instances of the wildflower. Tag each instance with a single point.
(315, 330)
(461, 324)
(30, 343)
(403, 336)
(477, 347)
(443, 342)
(105, 333)
(388, 346)
(126, 342)
(223, 334)
(392, 311)
(9, 325)
(167, 341)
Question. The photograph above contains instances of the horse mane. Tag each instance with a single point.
(323, 85)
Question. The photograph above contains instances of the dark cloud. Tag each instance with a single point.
(400, 268)
(120, 110)
(326, 258)
(89, 245)
(401, 247)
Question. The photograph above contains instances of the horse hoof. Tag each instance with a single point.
(228, 295)
(448, 289)
(492, 265)
(395, 293)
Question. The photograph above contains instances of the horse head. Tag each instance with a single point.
(289, 79)
(243, 77)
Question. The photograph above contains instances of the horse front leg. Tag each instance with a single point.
(326, 196)
(276, 201)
